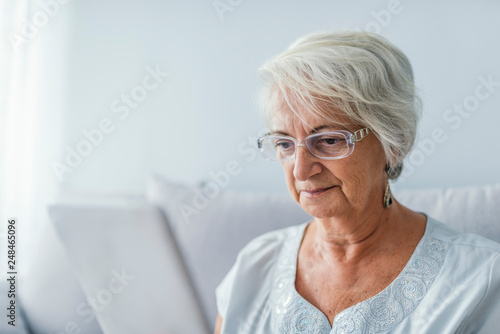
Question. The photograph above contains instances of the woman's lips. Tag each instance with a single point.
(315, 193)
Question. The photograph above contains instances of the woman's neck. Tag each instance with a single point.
(355, 238)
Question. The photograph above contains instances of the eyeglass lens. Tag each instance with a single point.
(321, 145)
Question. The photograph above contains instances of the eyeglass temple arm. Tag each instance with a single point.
(360, 134)
(259, 144)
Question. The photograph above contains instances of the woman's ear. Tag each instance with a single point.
(393, 171)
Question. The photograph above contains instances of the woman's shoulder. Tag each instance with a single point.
(466, 253)
(272, 240)
(263, 250)
(258, 256)
(251, 275)
(461, 241)
(470, 275)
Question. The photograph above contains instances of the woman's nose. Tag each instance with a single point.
(306, 164)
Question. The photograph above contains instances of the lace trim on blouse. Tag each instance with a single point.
(294, 314)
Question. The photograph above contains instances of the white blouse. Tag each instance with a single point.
(451, 284)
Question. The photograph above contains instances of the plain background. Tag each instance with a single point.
(194, 122)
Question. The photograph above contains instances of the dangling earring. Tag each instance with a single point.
(387, 196)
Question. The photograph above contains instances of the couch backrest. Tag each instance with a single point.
(211, 226)
(466, 209)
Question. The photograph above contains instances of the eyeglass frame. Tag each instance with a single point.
(352, 138)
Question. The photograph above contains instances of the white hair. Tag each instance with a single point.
(360, 76)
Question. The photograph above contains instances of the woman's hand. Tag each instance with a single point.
(218, 324)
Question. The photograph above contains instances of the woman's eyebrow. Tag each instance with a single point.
(321, 128)
(314, 130)
(333, 127)
(278, 132)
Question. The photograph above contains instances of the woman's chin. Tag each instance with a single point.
(326, 206)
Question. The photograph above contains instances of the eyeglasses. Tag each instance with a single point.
(330, 145)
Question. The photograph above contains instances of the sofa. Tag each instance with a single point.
(150, 264)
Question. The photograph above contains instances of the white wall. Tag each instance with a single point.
(194, 121)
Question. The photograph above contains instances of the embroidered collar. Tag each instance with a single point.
(293, 314)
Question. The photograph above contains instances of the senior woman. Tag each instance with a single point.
(343, 113)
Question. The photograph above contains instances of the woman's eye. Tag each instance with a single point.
(284, 145)
(331, 140)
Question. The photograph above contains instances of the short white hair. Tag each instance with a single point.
(360, 76)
